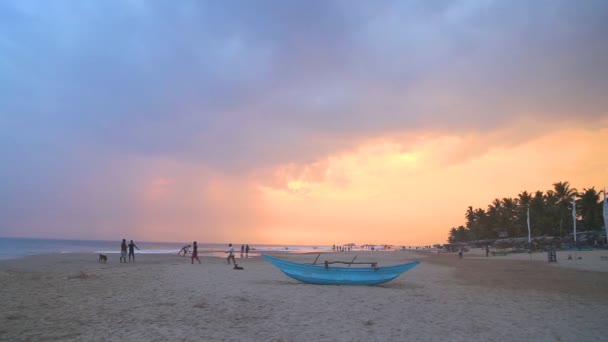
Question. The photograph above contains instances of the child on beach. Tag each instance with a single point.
(230, 254)
(195, 253)
(123, 251)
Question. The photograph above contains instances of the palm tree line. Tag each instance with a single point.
(550, 215)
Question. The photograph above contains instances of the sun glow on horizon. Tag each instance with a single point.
(378, 193)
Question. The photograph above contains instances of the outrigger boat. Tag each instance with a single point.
(324, 274)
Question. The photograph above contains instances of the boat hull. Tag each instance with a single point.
(321, 275)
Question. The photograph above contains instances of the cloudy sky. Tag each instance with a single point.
(309, 122)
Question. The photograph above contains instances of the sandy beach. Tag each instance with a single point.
(70, 297)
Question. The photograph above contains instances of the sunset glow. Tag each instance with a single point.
(293, 123)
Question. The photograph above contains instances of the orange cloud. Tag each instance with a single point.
(401, 189)
(412, 192)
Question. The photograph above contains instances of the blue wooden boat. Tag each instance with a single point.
(323, 274)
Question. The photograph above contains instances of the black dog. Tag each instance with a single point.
(102, 259)
(237, 267)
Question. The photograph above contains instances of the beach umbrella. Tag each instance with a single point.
(606, 214)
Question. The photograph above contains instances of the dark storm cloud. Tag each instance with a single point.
(191, 78)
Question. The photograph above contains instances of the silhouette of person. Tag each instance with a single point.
(195, 253)
(123, 251)
(132, 251)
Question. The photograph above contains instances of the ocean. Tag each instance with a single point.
(11, 248)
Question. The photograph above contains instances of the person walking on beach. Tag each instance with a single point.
(247, 251)
(460, 253)
(487, 251)
(132, 245)
(242, 250)
(195, 253)
(230, 254)
(123, 251)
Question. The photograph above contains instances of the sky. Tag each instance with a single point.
(292, 122)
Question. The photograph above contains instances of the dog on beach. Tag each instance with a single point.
(237, 267)
(102, 259)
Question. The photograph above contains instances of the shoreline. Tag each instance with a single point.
(587, 260)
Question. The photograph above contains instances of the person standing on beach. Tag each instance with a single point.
(247, 251)
(487, 251)
(242, 250)
(132, 245)
(195, 253)
(230, 254)
(123, 251)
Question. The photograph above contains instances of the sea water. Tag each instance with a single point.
(11, 248)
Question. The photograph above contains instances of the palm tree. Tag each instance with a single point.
(481, 223)
(458, 235)
(524, 199)
(537, 210)
(470, 216)
(564, 195)
(551, 212)
(472, 223)
(509, 216)
(591, 209)
(494, 213)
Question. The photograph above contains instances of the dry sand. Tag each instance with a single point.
(69, 297)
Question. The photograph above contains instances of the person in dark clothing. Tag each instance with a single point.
(195, 253)
(132, 245)
(247, 251)
(123, 251)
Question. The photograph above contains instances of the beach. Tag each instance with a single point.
(71, 297)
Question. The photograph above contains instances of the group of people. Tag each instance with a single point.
(341, 248)
(123, 251)
(129, 249)
(194, 256)
(245, 250)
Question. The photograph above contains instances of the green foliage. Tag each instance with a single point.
(550, 214)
